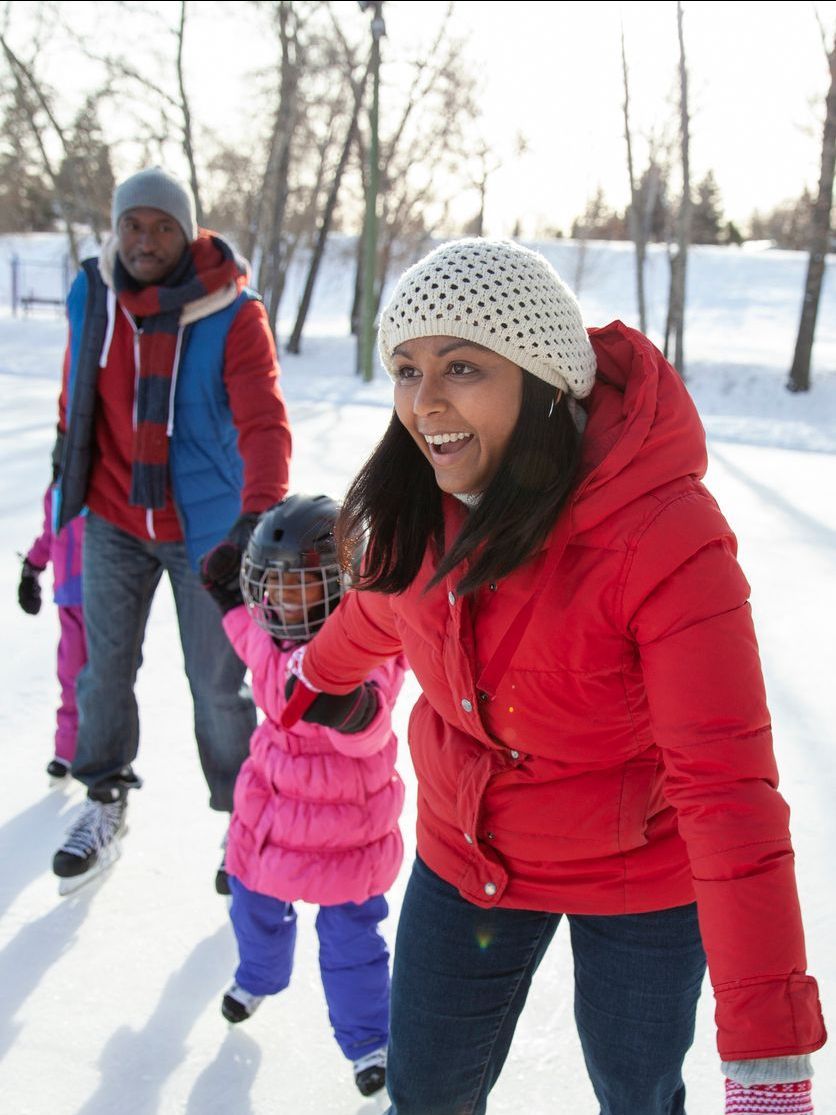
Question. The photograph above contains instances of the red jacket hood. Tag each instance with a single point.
(642, 426)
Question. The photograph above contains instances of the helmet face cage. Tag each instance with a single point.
(315, 591)
(291, 578)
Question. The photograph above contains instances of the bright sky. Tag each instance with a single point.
(551, 72)
(758, 78)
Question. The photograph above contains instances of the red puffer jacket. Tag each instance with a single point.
(593, 735)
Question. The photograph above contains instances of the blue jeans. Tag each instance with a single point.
(120, 577)
(460, 981)
(353, 961)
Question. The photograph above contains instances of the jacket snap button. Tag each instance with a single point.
(489, 889)
(466, 705)
(468, 838)
(451, 596)
(515, 754)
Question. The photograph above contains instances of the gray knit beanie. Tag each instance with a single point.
(155, 188)
(500, 295)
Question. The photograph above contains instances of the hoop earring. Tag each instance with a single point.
(558, 396)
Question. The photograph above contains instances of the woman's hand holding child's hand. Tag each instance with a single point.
(347, 712)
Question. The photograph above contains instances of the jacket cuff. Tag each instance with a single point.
(786, 1009)
(769, 1070)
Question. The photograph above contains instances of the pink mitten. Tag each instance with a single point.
(769, 1099)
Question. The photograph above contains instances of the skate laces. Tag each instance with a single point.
(96, 827)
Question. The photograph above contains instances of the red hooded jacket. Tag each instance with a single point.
(593, 735)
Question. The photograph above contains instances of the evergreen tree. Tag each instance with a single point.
(707, 212)
(85, 177)
(25, 197)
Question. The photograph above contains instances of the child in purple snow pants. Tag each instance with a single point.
(316, 805)
(63, 550)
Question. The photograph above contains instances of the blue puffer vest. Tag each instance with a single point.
(205, 467)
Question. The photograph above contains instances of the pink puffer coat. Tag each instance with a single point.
(316, 812)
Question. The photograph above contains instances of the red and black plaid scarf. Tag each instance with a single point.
(208, 264)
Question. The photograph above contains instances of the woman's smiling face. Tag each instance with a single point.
(460, 403)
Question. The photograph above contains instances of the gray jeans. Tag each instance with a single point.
(121, 574)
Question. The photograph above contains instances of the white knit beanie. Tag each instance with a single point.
(155, 188)
(500, 295)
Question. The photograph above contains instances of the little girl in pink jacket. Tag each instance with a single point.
(63, 550)
(316, 806)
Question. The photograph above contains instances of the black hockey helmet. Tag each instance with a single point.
(293, 543)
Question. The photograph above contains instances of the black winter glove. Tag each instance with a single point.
(348, 713)
(29, 589)
(240, 531)
(219, 574)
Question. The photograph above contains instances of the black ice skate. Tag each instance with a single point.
(238, 1004)
(370, 1072)
(92, 844)
(221, 877)
(57, 769)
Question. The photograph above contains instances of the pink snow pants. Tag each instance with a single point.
(72, 654)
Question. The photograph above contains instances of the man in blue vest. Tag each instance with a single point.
(174, 436)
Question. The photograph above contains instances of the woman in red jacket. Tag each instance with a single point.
(592, 740)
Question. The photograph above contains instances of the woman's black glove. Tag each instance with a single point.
(348, 713)
(220, 575)
(29, 589)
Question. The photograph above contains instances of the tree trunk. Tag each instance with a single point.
(293, 345)
(799, 377)
(636, 218)
(286, 122)
(680, 260)
(188, 140)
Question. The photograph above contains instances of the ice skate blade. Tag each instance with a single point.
(74, 883)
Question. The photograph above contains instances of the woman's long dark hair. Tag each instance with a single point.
(395, 500)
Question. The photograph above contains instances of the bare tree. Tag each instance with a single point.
(186, 114)
(161, 85)
(676, 304)
(272, 271)
(293, 345)
(35, 101)
(486, 164)
(799, 377)
(635, 212)
(420, 151)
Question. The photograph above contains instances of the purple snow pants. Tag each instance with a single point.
(72, 654)
(353, 961)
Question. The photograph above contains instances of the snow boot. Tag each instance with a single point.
(370, 1072)
(238, 1004)
(92, 843)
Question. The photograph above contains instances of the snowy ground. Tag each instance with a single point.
(111, 997)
